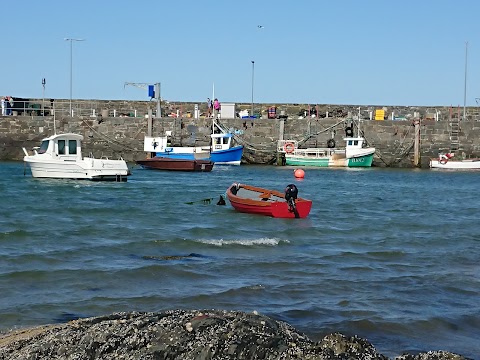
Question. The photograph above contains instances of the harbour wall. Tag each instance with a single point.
(115, 136)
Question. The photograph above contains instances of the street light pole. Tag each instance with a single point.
(71, 68)
(253, 75)
(43, 96)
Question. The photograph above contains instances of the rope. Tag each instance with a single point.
(113, 141)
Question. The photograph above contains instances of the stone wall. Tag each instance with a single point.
(123, 136)
(117, 128)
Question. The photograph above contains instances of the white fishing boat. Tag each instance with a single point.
(60, 157)
(448, 162)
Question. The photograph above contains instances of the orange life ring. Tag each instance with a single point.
(443, 161)
(289, 147)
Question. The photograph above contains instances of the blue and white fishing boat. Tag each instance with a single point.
(220, 151)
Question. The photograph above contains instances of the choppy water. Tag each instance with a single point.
(389, 255)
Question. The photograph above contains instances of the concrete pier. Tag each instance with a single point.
(123, 135)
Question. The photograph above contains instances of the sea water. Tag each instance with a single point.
(392, 256)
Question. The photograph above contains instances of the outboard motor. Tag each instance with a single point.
(291, 193)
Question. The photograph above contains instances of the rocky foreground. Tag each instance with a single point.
(178, 334)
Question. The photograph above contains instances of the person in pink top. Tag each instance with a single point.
(216, 108)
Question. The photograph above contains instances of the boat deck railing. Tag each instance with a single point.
(85, 108)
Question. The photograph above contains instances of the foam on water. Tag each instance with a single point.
(244, 242)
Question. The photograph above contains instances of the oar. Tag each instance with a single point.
(203, 201)
(220, 201)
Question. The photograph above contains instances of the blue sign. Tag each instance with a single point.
(151, 91)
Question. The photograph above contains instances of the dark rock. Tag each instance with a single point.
(180, 334)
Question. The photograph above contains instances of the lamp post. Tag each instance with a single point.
(71, 66)
(43, 96)
(253, 76)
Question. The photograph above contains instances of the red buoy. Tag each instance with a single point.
(299, 174)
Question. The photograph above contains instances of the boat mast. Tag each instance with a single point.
(213, 112)
(358, 127)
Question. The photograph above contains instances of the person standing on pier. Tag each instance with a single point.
(216, 108)
(209, 107)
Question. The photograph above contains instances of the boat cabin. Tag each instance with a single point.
(221, 141)
(354, 143)
(63, 147)
(354, 147)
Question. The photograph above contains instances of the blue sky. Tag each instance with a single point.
(370, 52)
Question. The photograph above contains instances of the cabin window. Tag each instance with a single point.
(43, 147)
(355, 142)
(61, 147)
(349, 142)
(225, 141)
(72, 147)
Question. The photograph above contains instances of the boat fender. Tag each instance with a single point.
(348, 131)
(443, 159)
(289, 147)
(331, 143)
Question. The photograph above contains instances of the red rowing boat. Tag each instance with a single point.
(256, 200)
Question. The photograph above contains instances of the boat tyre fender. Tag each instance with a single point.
(289, 147)
(348, 131)
(331, 143)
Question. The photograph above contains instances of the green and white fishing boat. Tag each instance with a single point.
(353, 155)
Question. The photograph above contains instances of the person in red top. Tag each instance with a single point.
(216, 108)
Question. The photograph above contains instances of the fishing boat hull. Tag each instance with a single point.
(260, 201)
(353, 155)
(173, 164)
(332, 160)
(449, 164)
(231, 156)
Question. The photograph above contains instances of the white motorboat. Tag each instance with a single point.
(60, 157)
(447, 161)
